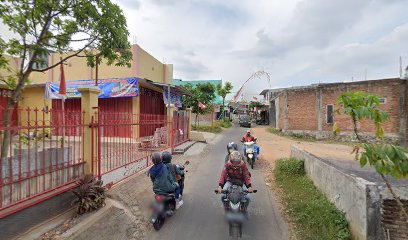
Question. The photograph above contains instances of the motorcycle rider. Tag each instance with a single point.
(162, 180)
(235, 172)
(230, 148)
(177, 174)
(250, 138)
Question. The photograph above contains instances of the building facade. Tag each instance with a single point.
(181, 82)
(310, 109)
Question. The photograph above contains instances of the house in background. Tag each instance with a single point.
(310, 109)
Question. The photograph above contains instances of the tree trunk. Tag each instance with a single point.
(388, 184)
(223, 108)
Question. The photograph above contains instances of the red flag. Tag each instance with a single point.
(202, 106)
(256, 99)
(238, 94)
(63, 85)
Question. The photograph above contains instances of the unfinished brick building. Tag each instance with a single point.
(309, 109)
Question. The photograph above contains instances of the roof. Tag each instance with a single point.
(334, 84)
(181, 82)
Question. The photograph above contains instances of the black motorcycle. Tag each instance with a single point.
(165, 205)
(235, 206)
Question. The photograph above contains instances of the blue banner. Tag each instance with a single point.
(111, 88)
(175, 99)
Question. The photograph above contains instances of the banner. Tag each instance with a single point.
(111, 88)
(175, 99)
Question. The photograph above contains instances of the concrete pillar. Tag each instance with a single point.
(189, 115)
(319, 106)
(170, 124)
(89, 104)
(136, 117)
(286, 109)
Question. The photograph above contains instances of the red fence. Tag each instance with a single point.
(111, 153)
(180, 128)
(40, 155)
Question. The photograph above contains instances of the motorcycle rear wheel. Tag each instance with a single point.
(159, 223)
(235, 231)
(252, 163)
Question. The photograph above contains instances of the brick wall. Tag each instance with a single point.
(302, 105)
(394, 222)
(302, 110)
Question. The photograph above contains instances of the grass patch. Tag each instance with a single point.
(207, 128)
(226, 123)
(313, 215)
(294, 136)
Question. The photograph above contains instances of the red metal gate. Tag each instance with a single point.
(180, 128)
(151, 104)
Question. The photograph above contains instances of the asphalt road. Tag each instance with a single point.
(202, 215)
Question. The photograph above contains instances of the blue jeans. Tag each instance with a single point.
(177, 192)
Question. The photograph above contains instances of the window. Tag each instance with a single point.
(329, 114)
(383, 100)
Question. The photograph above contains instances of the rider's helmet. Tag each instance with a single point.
(232, 147)
(166, 156)
(235, 158)
(156, 158)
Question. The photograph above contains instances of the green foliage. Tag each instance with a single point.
(314, 216)
(385, 158)
(75, 27)
(225, 123)
(224, 91)
(361, 105)
(90, 195)
(254, 104)
(204, 93)
(208, 128)
(291, 167)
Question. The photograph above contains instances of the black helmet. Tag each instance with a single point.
(232, 146)
(156, 158)
(166, 156)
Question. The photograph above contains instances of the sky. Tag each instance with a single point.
(296, 42)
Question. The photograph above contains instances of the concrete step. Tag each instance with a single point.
(181, 149)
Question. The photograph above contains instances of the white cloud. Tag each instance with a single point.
(298, 41)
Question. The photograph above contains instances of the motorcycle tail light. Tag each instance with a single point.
(158, 198)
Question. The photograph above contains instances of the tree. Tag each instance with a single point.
(98, 27)
(223, 92)
(387, 159)
(204, 93)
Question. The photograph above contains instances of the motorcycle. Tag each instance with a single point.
(250, 153)
(235, 205)
(164, 205)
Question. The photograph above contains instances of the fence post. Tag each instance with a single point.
(189, 122)
(89, 103)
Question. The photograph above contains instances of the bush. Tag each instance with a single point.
(291, 167)
(313, 215)
(226, 123)
(90, 195)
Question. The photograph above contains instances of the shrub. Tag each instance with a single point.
(290, 167)
(90, 195)
(225, 123)
(207, 128)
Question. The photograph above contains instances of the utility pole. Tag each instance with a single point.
(400, 68)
